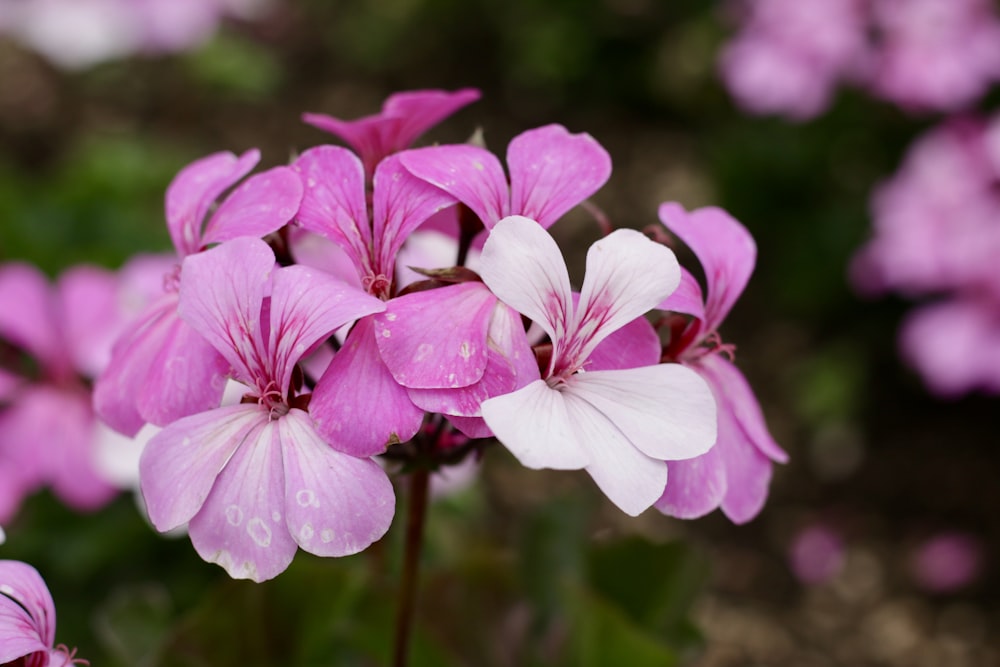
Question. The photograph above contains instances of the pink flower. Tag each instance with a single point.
(619, 425)
(28, 620)
(947, 562)
(404, 117)
(161, 369)
(736, 473)
(816, 555)
(256, 480)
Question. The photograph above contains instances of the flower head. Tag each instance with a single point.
(28, 620)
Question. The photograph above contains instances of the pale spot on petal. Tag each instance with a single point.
(259, 532)
(327, 535)
(234, 515)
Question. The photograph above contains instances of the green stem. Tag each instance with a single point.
(415, 516)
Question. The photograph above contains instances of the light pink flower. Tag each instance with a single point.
(161, 369)
(256, 480)
(816, 554)
(736, 473)
(28, 620)
(947, 562)
(404, 117)
(619, 425)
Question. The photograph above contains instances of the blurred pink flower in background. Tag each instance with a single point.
(816, 554)
(947, 562)
(75, 34)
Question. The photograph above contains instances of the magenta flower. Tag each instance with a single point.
(162, 369)
(947, 562)
(816, 554)
(736, 473)
(255, 481)
(404, 117)
(618, 425)
(28, 620)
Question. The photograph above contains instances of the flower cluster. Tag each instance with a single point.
(936, 233)
(409, 303)
(790, 55)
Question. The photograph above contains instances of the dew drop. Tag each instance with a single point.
(234, 515)
(306, 498)
(276, 516)
(306, 532)
(327, 535)
(259, 532)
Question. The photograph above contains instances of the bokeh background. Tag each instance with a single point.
(523, 567)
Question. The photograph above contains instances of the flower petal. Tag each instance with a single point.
(436, 338)
(551, 171)
(421, 110)
(471, 174)
(335, 504)
(667, 411)
(748, 472)
(523, 266)
(725, 249)
(627, 275)
(27, 613)
(87, 298)
(696, 487)
(687, 298)
(195, 189)
(333, 200)
(535, 425)
(357, 406)
(497, 379)
(27, 318)
(241, 526)
(180, 464)
(262, 204)
(635, 344)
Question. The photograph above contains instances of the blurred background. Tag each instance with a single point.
(879, 540)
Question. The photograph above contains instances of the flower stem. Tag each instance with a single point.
(415, 516)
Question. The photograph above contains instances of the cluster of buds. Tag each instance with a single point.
(363, 306)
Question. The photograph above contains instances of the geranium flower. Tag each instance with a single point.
(256, 481)
(734, 474)
(619, 425)
(28, 620)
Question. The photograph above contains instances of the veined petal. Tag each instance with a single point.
(27, 318)
(262, 204)
(368, 136)
(471, 174)
(420, 110)
(180, 464)
(687, 298)
(748, 471)
(736, 397)
(536, 426)
(551, 171)
(222, 291)
(27, 613)
(629, 478)
(333, 200)
(335, 504)
(402, 202)
(307, 306)
(357, 406)
(725, 249)
(241, 525)
(627, 275)
(667, 411)
(696, 487)
(195, 189)
(523, 266)
(635, 344)
(436, 338)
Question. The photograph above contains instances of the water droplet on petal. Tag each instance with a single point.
(259, 532)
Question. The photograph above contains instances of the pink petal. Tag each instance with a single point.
(357, 406)
(472, 427)
(92, 318)
(401, 203)
(696, 487)
(523, 266)
(179, 466)
(27, 613)
(507, 334)
(687, 298)
(195, 189)
(635, 344)
(498, 378)
(436, 338)
(535, 424)
(222, 291)
(262, 204)
(420, 110)
(471, 174)
(306, 307)
(369, 136)
(335, 504)
(333, 200)
(321, 253)
(627, 275)
(27, 318)
(241, 526)
(551, 171)
(748, 472)
(735, 396)
(666, 411)
(725, 249)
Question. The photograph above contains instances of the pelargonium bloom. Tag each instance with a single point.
(28, 620)
(255, 481)
(619, 425)
(736, 473)
(404, 117)
(161, 369)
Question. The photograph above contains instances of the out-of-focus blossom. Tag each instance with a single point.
(947, 562)
(816, 555)
(736, 473)
(75, 34)
(937, 233)
(28, 620)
